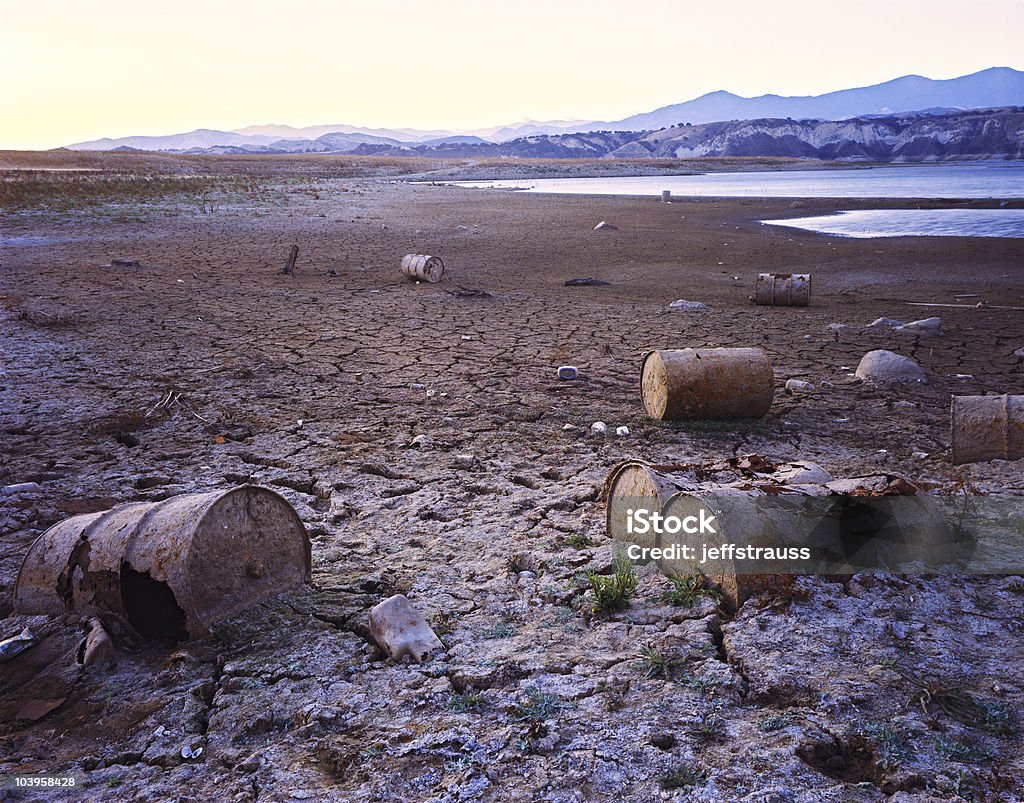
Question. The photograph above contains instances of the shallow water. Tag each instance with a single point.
(914, 223)
(990, 180)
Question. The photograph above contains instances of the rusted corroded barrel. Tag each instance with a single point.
(422, 267)
(783, 290)
(833, 527)
(171, 568)
(987, 428)
(707, 383)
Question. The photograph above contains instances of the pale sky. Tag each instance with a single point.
(73, 70)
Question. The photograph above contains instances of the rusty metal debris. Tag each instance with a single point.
(168, 569)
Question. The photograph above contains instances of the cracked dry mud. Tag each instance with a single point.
(316, 385)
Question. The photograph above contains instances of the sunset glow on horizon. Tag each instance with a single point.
(73, 71)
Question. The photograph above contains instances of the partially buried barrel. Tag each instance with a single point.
(170, 569)
(707, 383)
(783, 290)
(987, 428)
(422, 267)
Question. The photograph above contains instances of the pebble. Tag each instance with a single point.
(599, 428)
(622, 432)
(798, 386)
(687, 306)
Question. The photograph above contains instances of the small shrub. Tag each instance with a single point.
(538, 706)
(683, 777)
(466, 702)
(613, 592)
(655, 664)
(688, 591)
(774, 723)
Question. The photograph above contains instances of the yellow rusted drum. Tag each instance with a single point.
(707, 383)
(987, 428)
(423, 268)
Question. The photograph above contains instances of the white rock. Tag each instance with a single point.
(798, 386)
(604, 226)
(884, 367)
(622, 432)
(919, 455)
(599, 428)
(687, 306)
(904, 405)
(20, 488)
(892, 323)
(926, 327)
(399, 630)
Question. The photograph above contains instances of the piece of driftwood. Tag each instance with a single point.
(289, 265)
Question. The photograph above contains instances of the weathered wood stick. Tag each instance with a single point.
(289, 265)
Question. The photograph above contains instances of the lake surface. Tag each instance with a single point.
(990, 180)
(914, 223)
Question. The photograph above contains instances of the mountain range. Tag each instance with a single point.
(992, 88)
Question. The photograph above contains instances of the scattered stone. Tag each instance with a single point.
(826, 385)
(421, 442)
(926, 327)
(586, 281)
(464, 461)
(904, 405)
(1019, 354)
(687, 306)
(97, 649)
(885, 367)
(891, 323)
(622, 432)
(919, 455)
(568, 372)
(604, 226)
(840, 327)
(599, 428)
(798, 386)
(400, 631)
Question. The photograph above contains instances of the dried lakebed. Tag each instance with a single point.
(430, 450)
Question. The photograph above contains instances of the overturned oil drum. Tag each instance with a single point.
(422, 267)
(783, 290)
(707, 383)
(170, 569)
(987, 428)
(754, 539)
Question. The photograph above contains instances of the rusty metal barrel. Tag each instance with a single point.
(987, 428)
(783, 290)
(707, 383)
(170, 569)
(422, 267)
